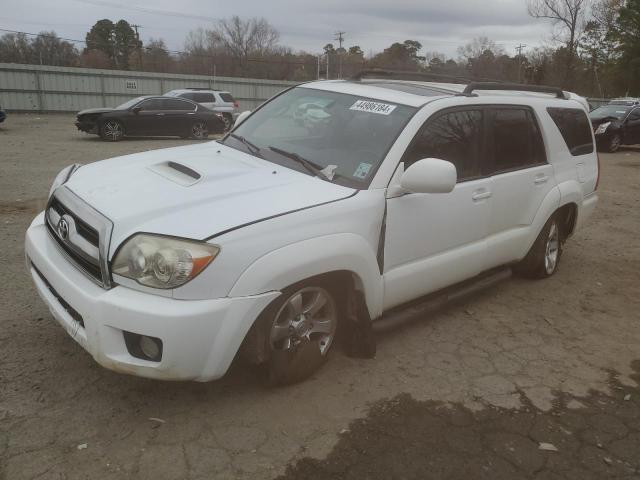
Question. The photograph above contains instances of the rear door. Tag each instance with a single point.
(521, 179)
(436, 240)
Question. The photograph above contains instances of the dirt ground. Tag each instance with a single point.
(469, 392)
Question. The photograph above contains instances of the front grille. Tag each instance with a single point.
(81, 232)
(85, 230)
(73, 313)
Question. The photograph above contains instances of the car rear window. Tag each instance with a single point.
(227, 97)
(575, 127)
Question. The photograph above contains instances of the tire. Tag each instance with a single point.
(199, 130)
(544, 256)
(112, 131)
(299, 329)
(228, 121)
(614, 143)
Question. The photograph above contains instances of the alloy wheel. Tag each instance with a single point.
(310, 314)
(199, 130)
(552, 249)
(113, 130)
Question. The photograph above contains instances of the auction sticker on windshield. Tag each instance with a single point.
(373, 107)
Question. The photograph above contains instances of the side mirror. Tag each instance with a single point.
(429, 176)
(136, 109)
(242, 117)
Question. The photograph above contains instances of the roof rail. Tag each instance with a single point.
(200, 88)
(405, 75)
(516, 87)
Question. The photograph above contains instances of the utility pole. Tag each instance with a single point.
(339, 36)
(519, 57)
(136, 27)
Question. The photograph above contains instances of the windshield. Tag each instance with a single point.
(616, 111)
(129, 103)
(344, 135)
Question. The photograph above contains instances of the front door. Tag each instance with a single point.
(436, 240)
(149, 120)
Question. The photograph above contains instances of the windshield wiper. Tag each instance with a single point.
(251, 146)
(308, 164)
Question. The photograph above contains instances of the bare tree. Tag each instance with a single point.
(477, 47)
(569, 17)
(243, 38)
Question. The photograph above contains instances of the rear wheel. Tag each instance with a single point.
(544, 256)
(299, 328)
(199, 131)
(112, 131)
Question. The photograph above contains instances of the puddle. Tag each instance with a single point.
(597, 437)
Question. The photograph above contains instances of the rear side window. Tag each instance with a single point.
(203, 97)
(227, 97)
(152, 104)
(575, 128)
(453, 136)
(516, 140)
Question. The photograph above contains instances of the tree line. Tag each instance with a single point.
(594, 49)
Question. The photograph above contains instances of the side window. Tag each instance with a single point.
(516, 140)
(203, 98)
(575, 127)
(454, 136)
(634, 116)
(153, 104)
(178, 105)
(227, 97)
(187, 95)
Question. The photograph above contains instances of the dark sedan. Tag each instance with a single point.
(151, 117)
(2, 115)
(616, 124)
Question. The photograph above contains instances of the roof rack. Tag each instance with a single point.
(200, 88)
(516, 87)
(406, 75)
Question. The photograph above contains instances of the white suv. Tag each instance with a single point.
(217, 100)
(268, 243)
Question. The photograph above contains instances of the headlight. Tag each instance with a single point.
(602, 128)
(162, 262)
(63, 176)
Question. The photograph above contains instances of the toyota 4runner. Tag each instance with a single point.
(381, 194)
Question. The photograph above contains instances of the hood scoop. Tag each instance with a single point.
(177, 173)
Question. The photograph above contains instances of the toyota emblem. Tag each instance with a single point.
(63, 229)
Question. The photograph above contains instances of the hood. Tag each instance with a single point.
(95, 110)
(195, 191)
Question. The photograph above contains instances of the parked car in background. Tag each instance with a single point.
(219, 101)
(3, 115)
(171, 263)
(616, 124)
(152, 117)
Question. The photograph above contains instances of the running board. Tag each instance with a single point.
(414, 311)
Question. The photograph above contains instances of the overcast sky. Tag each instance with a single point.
(439, 25)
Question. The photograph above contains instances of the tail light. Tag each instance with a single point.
(598, 177)
(236, 104)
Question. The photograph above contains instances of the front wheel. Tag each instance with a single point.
(614, 143)
(300, 328)
(544, 256)
(228, 121)
(112, 131)
(199, 131)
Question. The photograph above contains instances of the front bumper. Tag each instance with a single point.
(88, 127)
(200, 337)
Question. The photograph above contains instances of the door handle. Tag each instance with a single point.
(160, 114)
(480, 195)
(541, 179)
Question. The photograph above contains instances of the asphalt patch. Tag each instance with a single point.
(593, 437)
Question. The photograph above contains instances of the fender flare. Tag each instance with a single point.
(570, 192)
(316, 256)
(549, 205)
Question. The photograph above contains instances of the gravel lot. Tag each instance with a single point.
(469, 391)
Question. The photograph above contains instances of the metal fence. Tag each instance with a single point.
(39, 88)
